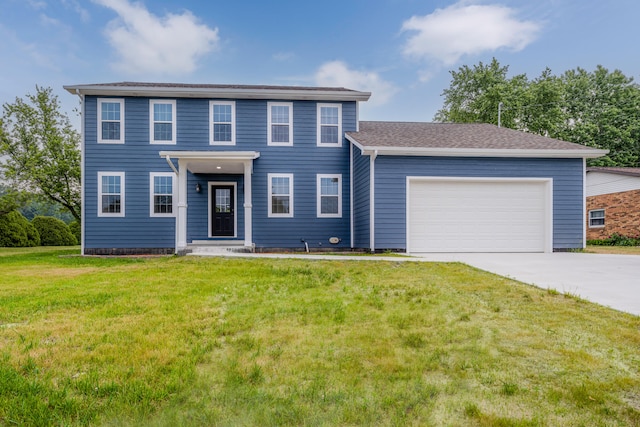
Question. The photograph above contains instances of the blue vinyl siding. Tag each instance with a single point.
(390, 191)
(137, 158)
(361, 199)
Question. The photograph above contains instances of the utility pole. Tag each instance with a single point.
(500, 104)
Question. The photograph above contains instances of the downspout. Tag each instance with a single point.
(372, 200)
(82, 203)
(351, 217)
(172, 166)
(584, 203)
(168, 159)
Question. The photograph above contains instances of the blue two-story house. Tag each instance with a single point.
(171, 167)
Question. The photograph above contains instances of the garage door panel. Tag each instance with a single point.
(477, 216)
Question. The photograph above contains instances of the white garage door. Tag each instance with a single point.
(478, 215)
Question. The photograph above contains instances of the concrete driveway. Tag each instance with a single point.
(610, 280)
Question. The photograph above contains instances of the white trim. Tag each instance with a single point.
(548, 232)
(586, 153)
(211, 155)
(289, 105)
(604, 213)
(174, 198)
(122, 194)
(212, 123)
(372, 200)
(210, 185)
(584, 203)
(351, 215)
(270, 177)
(319, 195)
(319, 125)
(273, 92)
(121, 121)
(82, 173)
(152, 103)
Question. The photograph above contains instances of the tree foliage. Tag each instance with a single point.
(599, 109)
(16, 231)
(42, 149)
(53, 232)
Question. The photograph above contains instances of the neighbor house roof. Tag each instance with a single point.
(195, 90)
(460, 139)
(616, 170)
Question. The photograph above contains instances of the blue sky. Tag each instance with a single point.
(400, 50)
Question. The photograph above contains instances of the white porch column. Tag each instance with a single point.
(248, 204)
(181, 215)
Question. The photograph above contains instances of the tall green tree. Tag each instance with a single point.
(599, 109)
(41, 149)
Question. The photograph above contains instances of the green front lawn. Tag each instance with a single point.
(211, 341)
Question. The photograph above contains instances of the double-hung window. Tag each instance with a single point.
(329, 188)
(110, 193)
(329, 125)
(596, 218)
(280, 122)
(110, 121)
(280, 195)
(222, 123)
(162, 195)
(162, 119)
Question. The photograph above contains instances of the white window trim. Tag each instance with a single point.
(122, 194)
(110, 141)
(319, 195)
(153, 102)
(174, 195)
(269, 124)
(270, 177)
(319, 126)
(604, 218)
(233, 123)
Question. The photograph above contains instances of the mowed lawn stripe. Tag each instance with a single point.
(191, 341)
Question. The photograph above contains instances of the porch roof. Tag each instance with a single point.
(216, 162)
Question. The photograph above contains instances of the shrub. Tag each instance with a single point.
(616, 240)
(76, 230)
(16, 231)
(53, 232)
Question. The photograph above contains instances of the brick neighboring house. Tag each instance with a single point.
(613, 202)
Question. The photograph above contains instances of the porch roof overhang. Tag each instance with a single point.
(211, 161)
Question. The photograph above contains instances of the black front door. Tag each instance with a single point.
(222, 215)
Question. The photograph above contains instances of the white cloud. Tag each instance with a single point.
(73, 4)
(337, 73)
(446, 35)
(147, 43)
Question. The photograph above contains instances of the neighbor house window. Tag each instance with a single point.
(330, 125)
(110, 193)
(280, 195)
(596, 218)
(161, 186)
(162, 119)
(329, 189)
(223, 123)
(111, 121)
(280, 122)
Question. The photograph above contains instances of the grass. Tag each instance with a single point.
(617, 250)
(210, 341)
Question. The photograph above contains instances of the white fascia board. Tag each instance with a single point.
(204, 155)
(478, 152)
(220, 93)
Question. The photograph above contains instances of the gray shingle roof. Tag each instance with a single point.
(151, 85)
(453, 136)
(616, 170)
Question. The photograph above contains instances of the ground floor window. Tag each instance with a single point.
(161, 186)
(329, 195)
(280, 195)
(111, 193)
(596, 218)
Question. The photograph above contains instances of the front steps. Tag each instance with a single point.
(210, 247)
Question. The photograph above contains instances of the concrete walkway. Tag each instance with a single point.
(609, 280)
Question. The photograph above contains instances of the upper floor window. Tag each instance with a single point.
(161, 189)
(162, 119)
(329, 187)
(280, 121)
(596, 218)
(110, 193)
(111, 121)
(222, 123)
(280, 195)
(330, 125)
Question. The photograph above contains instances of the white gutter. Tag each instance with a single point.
(168, 158)
(217, 155)
(222, 92)
(587, 153)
